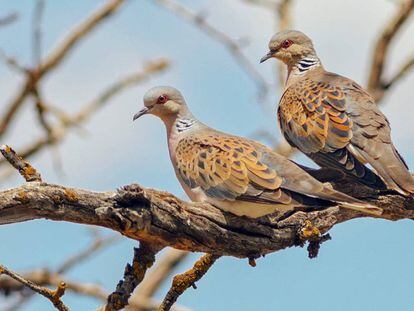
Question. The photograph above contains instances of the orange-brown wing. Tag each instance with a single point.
(317, 117)
(313, 118)
(224, 167)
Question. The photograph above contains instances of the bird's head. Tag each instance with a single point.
(289, 46)
(164, 102)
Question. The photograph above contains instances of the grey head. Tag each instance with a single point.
(164, 102)
(289, 46)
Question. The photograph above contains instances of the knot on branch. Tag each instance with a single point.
(309, 232)
(131, 195)
(58, 292)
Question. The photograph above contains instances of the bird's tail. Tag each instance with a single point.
(345, 161)
(393, 169)
(351, 203)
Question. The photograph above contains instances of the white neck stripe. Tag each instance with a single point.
(185, 124)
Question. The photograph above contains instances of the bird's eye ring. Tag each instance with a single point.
(162, 99)
(287, 43)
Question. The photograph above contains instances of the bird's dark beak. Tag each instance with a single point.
(266, 57)
(140, 113)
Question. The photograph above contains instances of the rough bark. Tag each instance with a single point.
(154, 216)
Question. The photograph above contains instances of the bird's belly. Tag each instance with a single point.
(238, 208)
(249, 209)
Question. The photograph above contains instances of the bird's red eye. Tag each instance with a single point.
(287, 43)
(162, 99)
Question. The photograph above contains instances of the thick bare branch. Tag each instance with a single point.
(183, 281)
(158, 217)
(53, 295)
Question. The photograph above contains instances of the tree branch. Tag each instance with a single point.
(78, 33)
(33, 76)
(158, 217)
(144, 258)
(58, 132)
(8, 19)
(229, 43)
(376, 81)
(162, 269)
(27, 171)
(53, 295)
(183, 281)
(405, 68)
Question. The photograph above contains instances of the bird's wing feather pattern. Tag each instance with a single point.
(224, 167)
(313, 116)
(237, 169)
(328, 127)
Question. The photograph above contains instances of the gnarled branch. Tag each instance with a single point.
(158, 217)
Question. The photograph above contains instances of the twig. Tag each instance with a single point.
(59, 132)
(53, 295)
(375, 80)
(44, 277)
(27, 171)
(152, 67)
(183, 281)
(12, 62)
(156, 277)
(229, 43)
(268, 4)
(8, 19)
(405, 68)
(144, 258)
(55, 58)
(98, 244)
(37, 32)
(284, 17)
(81, 31)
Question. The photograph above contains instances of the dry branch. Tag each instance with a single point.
(162, 269)
(144, 258)
(53, 295)
(8, 19)
(58, 132)
(376, 82)
(33, 76)
(229, 43)
(183, 281)
(27, 171)
(80, 32)
(158, 217)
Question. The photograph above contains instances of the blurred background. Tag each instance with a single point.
(73, 120)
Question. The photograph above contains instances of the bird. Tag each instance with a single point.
(235, 174)
(333, 120)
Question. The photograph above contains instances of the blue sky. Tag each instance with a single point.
(367, 265)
